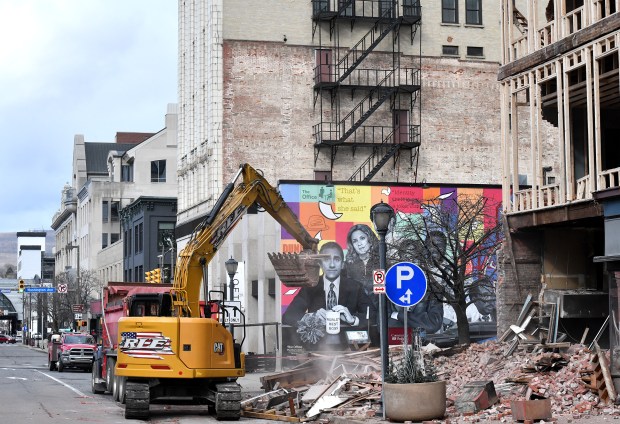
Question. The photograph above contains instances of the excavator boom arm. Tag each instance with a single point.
(227, 212)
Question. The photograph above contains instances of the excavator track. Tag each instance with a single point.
(227, 401)
(137, 400)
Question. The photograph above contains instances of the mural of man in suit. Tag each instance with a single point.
(334, 292)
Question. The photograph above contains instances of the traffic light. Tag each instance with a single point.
(21, 286)
(148, 276)
(157, 275)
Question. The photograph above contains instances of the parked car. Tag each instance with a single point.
(5, 338)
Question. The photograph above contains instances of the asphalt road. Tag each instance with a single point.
(30, 393)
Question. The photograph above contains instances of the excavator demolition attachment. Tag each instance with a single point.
(297, 269)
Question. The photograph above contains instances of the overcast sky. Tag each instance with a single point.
(91, 67)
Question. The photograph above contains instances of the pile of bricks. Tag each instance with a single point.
(564, 378)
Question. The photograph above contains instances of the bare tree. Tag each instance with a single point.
(82, 292)
(454, 239)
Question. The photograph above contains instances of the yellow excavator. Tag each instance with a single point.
(183, 354)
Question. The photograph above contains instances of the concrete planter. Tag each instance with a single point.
(415, 401)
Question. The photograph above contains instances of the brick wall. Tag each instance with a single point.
(269, 111)
(512, 291)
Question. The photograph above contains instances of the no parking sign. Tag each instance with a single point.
(405, 284)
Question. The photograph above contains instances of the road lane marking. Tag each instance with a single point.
(63, 383)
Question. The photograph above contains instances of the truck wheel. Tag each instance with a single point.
(60, 366)
(115, 387)
(109, 379)
(122, 384)
(51, 364)
(95, 387)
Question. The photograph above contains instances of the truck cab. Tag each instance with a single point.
(71, 350)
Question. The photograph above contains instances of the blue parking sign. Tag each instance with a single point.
(405, 284)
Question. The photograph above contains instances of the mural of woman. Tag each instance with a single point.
(362, 256)
(361, 260)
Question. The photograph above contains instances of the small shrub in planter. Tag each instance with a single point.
(412, 366)
(412, 390)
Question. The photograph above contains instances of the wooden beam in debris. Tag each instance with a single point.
(606, 374)
(274, 417)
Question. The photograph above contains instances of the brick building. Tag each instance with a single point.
(334, 91)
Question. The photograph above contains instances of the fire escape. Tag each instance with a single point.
(367, 94)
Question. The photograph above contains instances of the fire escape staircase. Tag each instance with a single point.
(367, 44)
(388, 87)
(369, 104)
(376, 160)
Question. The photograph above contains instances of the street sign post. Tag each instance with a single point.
(378, 276)
(405, 284)
(232, 314)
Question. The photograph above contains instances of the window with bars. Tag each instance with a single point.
(449, 11)
(473, 12)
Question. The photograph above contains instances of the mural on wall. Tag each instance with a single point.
(342, 308)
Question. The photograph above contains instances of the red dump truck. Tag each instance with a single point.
(121, 299)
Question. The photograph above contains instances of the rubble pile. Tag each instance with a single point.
(571, 380)
(565, 378)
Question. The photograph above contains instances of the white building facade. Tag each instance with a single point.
(106, 178)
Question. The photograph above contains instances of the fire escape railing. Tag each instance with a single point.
(362, 49)
(381, 154)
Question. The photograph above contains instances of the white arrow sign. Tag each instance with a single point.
(406, 298)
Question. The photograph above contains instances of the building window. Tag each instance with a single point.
(139, 242)
(158, 171)
(450, 50)
(165, 234)
(475, 51)
(473, 12)
(449, 12)
(140, 273)
(136, 241)
(127, 173)
(128, 243)
(105, 212)
(114, 237)
(114, 213)
(104, 240)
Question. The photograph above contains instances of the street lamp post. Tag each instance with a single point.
(231, 270)
(381, 214)
(77, 274)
